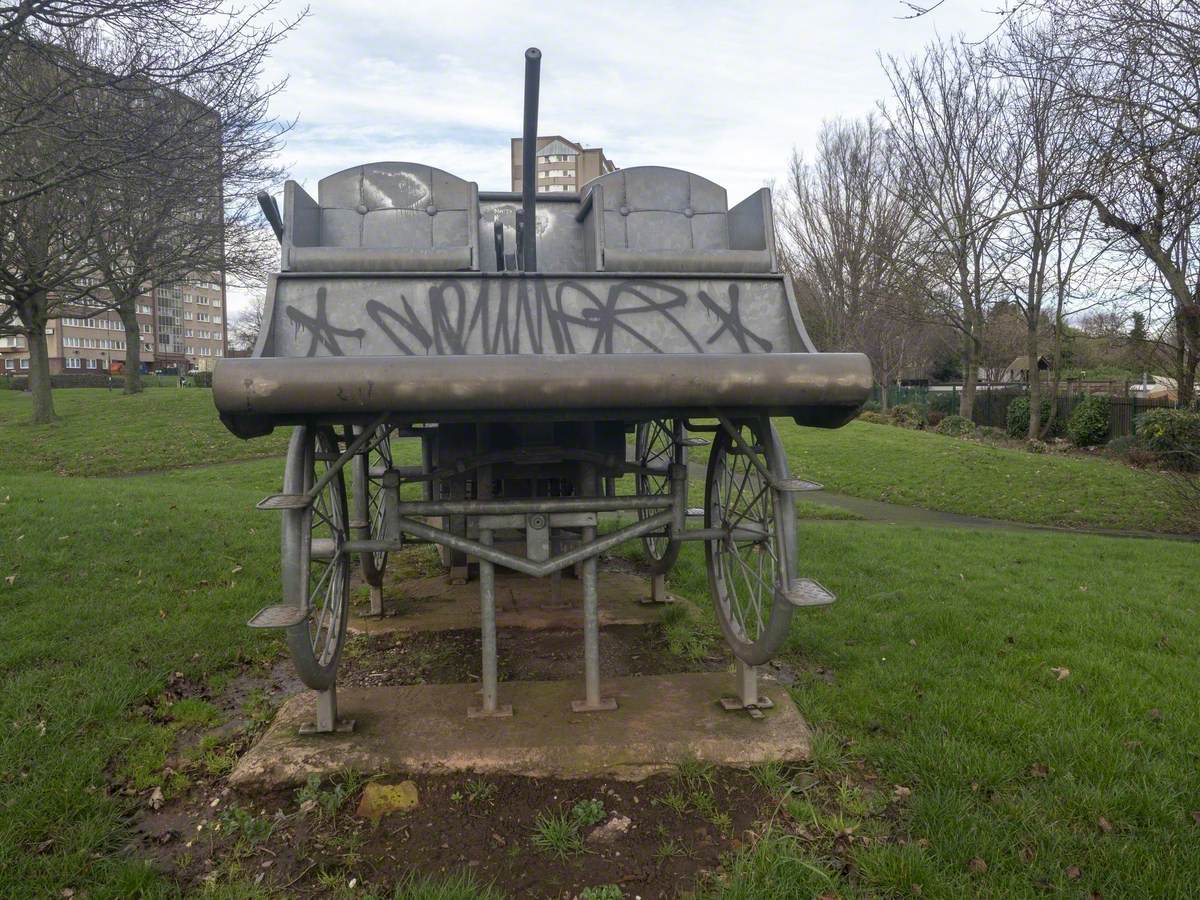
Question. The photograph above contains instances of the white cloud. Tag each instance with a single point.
(725, 90)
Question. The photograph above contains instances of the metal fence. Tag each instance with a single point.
(991, 406)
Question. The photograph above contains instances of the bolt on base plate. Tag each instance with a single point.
(734, 704)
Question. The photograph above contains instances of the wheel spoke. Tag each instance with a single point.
(745, 572)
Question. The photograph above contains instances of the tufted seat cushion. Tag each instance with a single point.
(656, 208)
(655, 219)
(391, 216)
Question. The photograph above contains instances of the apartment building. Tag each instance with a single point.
(182, 326)
(562, 165)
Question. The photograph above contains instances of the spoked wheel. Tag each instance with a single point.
(658, 444)
(748, 568)
(368, 503)
(316, 572)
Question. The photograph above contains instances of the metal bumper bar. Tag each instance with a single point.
(424, 385)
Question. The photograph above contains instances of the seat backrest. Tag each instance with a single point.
(397, 205)
(656, 208)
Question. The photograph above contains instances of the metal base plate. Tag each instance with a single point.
(284, 501)
(734, 704)
(344, 726)
(806, 592)
(278, 617)
(502, 711)
(606, 704)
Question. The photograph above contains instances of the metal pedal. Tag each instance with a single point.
(278, 617)
(283, 501)
(695, 512)
(806, 592)
(796, 485)
(691, 442)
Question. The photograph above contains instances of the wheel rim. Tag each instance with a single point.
(380, 458)
(327, 529)
(657, 444)
(745, 570)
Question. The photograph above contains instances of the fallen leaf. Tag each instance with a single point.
(976, 866)
(1104, 824)
(1039, 770)
(901, 792)
(1060, 672)
(156, 799)
(9, 579)
(1156, 715)
(236, 569)
(1196, 816)
(1073, 872)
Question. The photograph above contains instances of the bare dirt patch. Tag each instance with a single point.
(297, 842)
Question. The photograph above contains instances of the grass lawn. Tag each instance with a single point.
(919, 468)
(107, 433)
(934, 673)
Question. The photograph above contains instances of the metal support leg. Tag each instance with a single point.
(376, 600)
(487, 617)
(593, 702)
(748, 698)
(327, 720)
(658, 591)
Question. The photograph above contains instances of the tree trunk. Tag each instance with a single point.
(133, 348)
(39, 370)
(1187, 384)
(970, 356)
(1035, 382)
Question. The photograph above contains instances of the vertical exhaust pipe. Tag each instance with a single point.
(533, 69)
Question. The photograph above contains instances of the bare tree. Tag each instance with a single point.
(190, 212)
(123, 127)
(1129, 70)
(47, 239)
(945, 121)
(165, 43)
(1042, 132)
(246, 326)
(843, 226)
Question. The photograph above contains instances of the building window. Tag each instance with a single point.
(92, 363)
(74, 362)
(25, 363)
(10, 364)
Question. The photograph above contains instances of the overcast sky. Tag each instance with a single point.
(725, 90)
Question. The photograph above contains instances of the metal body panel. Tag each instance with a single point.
(451, 315)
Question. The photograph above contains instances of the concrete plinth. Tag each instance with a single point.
(659, 721)
(434, 604)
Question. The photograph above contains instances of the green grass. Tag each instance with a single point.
(108, 433)
(941, 650)
(918, 468)
(557, 833)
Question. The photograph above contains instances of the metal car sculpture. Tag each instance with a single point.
(521, 340)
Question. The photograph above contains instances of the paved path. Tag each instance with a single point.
(895, 514)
